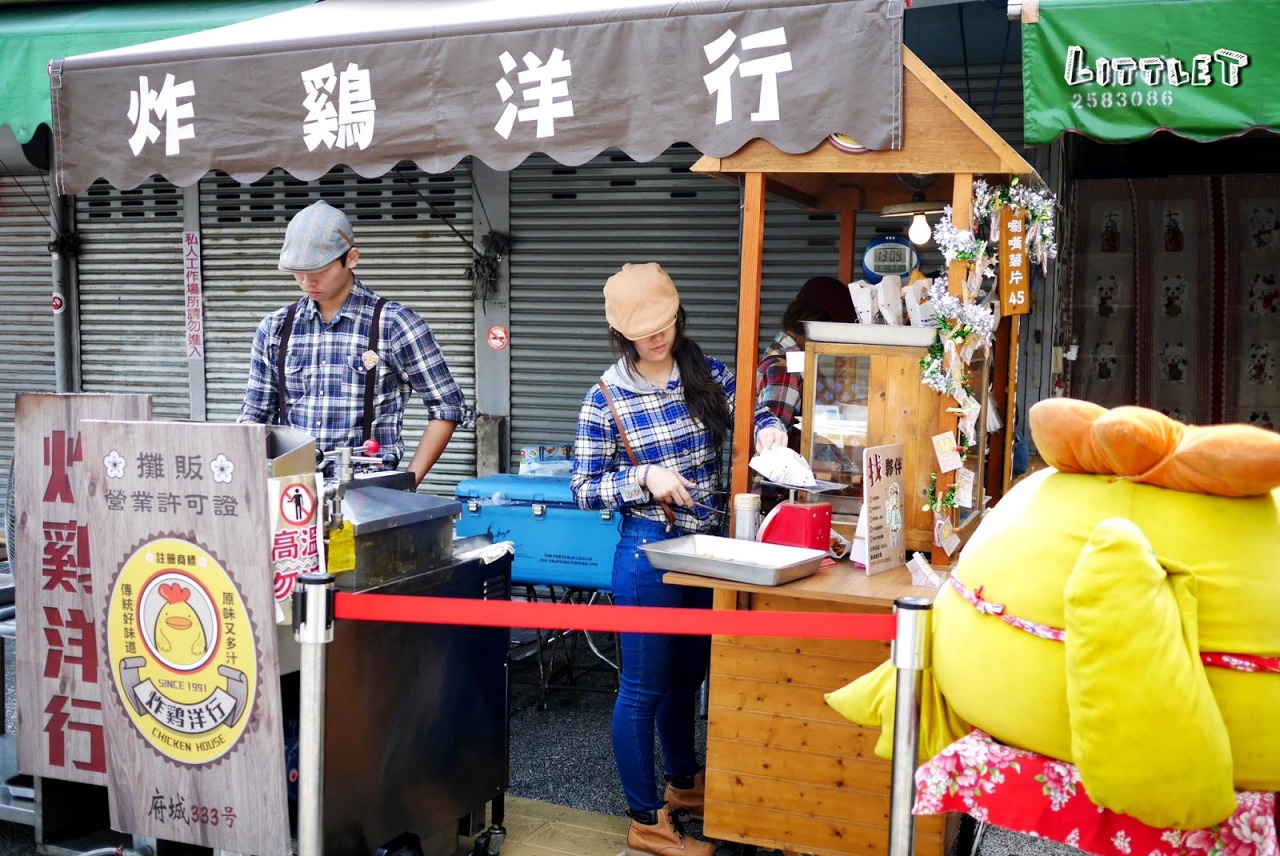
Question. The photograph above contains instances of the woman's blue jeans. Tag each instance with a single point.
(661, 674)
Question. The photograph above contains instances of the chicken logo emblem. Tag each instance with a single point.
(178, 633)
(182, 649)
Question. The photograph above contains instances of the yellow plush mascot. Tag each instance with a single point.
(1120, 611)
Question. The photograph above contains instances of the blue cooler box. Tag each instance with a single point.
(557, 543)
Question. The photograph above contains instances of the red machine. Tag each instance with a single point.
(798, 524)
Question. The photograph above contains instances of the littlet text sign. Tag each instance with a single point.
(192, 710)
(58, 606)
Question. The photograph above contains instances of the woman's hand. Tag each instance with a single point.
(767, 438)
(669, 486)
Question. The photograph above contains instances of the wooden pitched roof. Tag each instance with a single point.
(942, 136)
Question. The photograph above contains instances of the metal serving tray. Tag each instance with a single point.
(869, 334)
(741, 561)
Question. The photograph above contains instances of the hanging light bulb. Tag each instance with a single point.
(919, 232)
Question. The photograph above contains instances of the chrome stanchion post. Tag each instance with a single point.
(313, 628)
(910, 657)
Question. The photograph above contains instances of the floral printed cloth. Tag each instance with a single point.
(1037, 795)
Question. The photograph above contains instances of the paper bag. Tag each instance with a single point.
(889, 296)
(863, 294)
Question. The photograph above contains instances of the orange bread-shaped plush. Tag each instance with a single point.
(1222, 460)
(1146, 446)
(1063, 434)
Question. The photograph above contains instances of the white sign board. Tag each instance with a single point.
(882, 508)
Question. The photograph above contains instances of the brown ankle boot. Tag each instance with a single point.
(686, 803)
(663, 838)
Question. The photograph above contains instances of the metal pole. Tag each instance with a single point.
(65, 292)
(313, 628)
(910, 657)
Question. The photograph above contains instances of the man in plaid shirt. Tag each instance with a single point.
(328, 356)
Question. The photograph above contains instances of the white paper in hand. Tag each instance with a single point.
(783, 466)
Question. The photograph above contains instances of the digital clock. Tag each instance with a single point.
(888, 254)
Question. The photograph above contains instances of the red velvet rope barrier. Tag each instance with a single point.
(409, 609)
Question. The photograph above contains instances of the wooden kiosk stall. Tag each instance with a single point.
(784, 771)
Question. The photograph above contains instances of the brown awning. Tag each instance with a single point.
(371, 83)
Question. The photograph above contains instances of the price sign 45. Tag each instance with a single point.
(1015, 265)
(1016, 302)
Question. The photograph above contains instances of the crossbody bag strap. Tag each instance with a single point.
(282, 351)
(626, 444)
(371, 374)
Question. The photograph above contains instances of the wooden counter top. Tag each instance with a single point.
(840, 583)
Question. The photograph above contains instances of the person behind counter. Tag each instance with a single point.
(822, 298)
(780, 390)
(649, 441)
(343, 381)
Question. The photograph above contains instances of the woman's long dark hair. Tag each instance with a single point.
(705, 398)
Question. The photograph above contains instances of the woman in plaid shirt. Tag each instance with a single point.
(675, 406)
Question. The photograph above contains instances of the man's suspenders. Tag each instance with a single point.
(371, 374)
(286, 329)
(370, 378)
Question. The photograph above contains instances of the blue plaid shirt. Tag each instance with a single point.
(662, 433)
(325, 375)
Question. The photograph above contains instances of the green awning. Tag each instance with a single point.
(30, 36)
(1119, 70)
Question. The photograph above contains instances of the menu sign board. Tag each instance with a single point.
(182, 569)
(882, 507)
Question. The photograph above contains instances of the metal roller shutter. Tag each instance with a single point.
(132, 312)
(574, 226)
(408, 254)
(26, 325)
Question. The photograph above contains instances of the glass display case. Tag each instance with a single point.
(860, 395)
